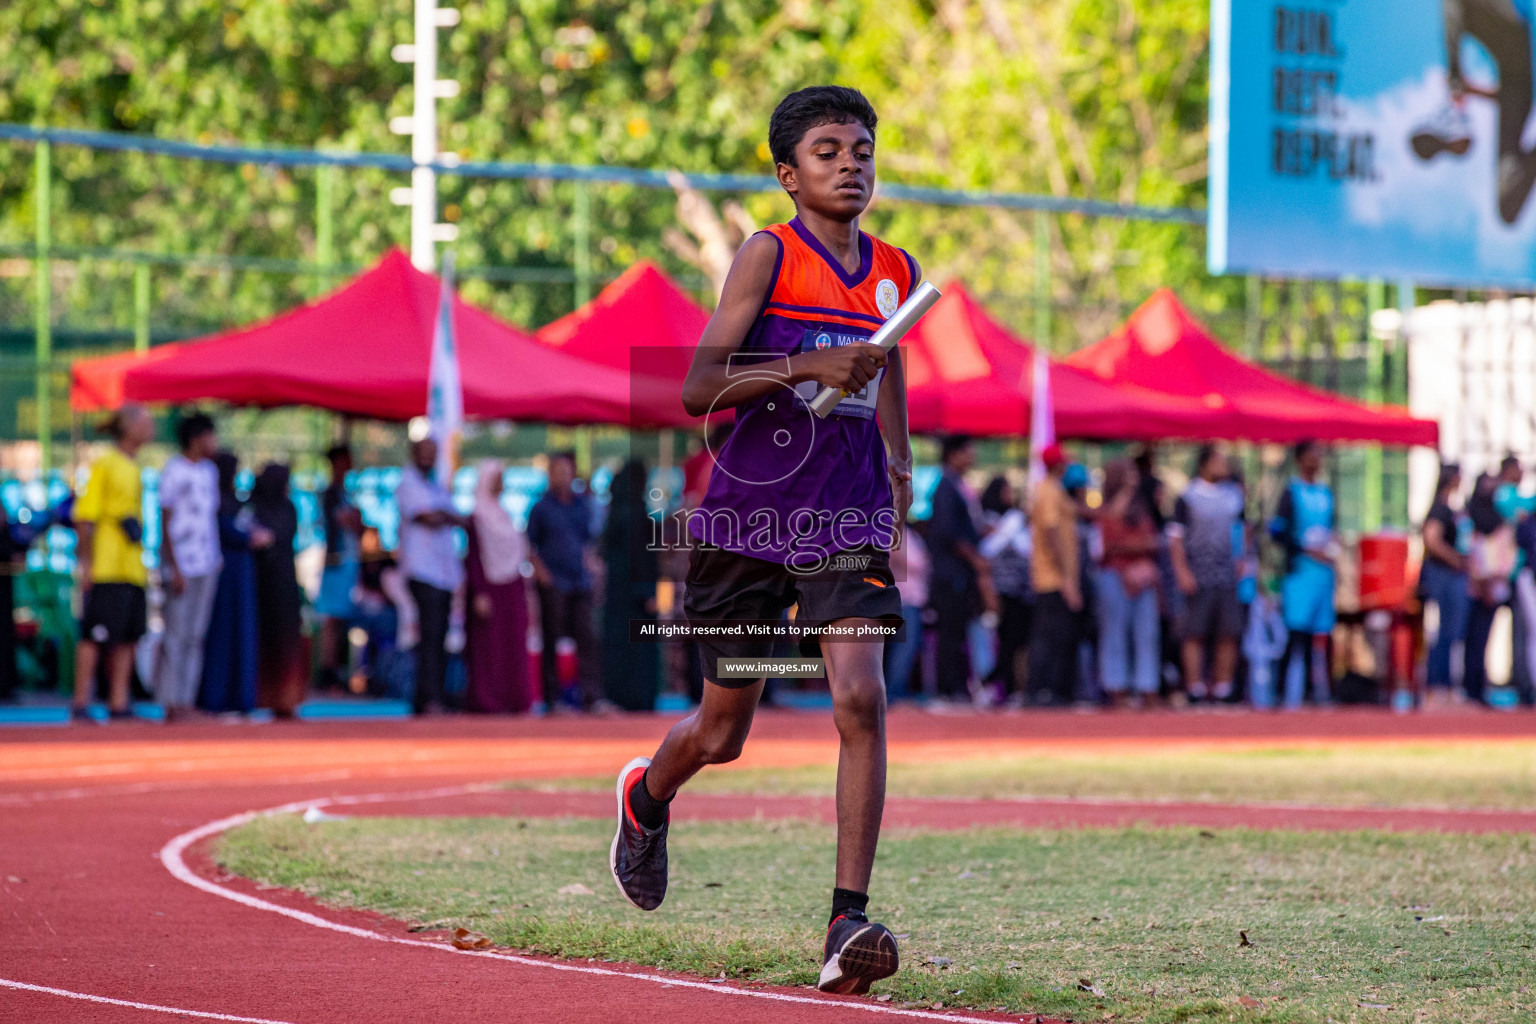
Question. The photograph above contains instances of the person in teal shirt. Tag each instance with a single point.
(1516, 508)
(1304, 524)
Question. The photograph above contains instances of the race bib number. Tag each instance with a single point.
(860, 404)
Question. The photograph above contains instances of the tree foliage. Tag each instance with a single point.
(1088, 98)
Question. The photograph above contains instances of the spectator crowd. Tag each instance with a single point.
(1135, 596)
(1055, 594)
(457, 590)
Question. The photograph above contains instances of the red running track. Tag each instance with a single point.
(89, 908)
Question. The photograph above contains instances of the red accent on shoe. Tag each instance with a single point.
(629, 787)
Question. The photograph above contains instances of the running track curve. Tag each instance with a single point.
(94, 927)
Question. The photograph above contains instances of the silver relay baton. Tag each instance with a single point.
(887, 337)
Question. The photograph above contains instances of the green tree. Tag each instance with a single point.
(643, 83)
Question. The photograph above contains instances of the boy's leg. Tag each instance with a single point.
(1194, 665)
(713, 734)
(87, 656)
(857, 952)
(120, 676)
(549, 635)
(858, 709)
(589, 650)
(1321, 669)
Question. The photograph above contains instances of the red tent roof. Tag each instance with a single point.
(1162, 347)
(97, 384)
(966, 373)
(642, 322)
(365, 350)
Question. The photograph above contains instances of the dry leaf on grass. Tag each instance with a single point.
(1242, 940)
(1086, 985)
(1250, 1002)
(574, 889)
(463, 938)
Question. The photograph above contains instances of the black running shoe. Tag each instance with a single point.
(858, 954)
(638, 856)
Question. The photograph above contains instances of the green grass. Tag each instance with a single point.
(1490, 774)
(1149, 918)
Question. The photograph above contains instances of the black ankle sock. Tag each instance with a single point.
(846, 901)
(649, 811)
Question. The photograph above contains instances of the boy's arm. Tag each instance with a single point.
(746, 289)
(891, 410)
(171, 571)
(1177, 526)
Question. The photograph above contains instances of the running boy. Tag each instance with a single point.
(799, 510)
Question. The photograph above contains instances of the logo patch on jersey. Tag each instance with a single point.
(823, 340)
(886, 299)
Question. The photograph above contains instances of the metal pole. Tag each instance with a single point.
(1253, 314)
(325, 223)
(1371, 499)
(1043, 279)
(141, 307)
(1407, 299)
(424, 138)
(581, 229)
(44, 311)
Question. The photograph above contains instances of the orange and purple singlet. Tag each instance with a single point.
(786, 483)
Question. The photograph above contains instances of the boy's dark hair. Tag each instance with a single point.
(566, 454)
(193, 427)
(1304, 447)
(951, 444)
(801, 111)
(1203, 457)
(1510, 461)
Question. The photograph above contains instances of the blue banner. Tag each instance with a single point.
(1373, 138)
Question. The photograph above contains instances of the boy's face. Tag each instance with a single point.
(834, 173)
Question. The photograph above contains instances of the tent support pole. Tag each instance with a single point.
(44, 312)
(1371, 499)
(1042, 245)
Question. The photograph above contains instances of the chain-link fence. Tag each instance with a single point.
(261, 231)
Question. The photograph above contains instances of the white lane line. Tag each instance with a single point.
(138, 788)
(171, 855)
(23, 986)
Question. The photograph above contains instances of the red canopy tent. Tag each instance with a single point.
(1162, 347)
(641, 323)
(365, 350)
(966, 373)
(97, 384)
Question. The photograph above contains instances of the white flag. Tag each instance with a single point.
(445, 392)
(1042, 416)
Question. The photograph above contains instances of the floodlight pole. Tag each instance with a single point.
(421, 126)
